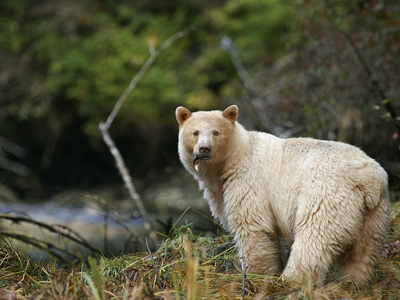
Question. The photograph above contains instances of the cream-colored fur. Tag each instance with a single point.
(328, 200)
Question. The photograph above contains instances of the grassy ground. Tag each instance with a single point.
(185, 267)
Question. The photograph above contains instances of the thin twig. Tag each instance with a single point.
(228, 45)
(244, 272)
(254, 93)
(155, 267)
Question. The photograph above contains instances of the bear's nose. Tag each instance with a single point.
(205, 149)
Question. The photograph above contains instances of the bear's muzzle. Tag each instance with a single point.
(199, 157)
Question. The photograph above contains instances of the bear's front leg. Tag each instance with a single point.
(260, 251)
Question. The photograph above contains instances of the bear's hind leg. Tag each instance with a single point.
(308, 257)
(319, 238)
(357, 265)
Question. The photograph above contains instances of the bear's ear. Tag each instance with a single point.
(182, 114)
(231, 113)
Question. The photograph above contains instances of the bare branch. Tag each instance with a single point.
(253, 95)
(155, 267)
(228, 45)
(104, 126)
(124, 172)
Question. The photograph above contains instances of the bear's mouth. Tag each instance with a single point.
(197, 159)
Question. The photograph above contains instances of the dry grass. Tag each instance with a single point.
(184, 267)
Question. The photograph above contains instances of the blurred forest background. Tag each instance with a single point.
(325, 69)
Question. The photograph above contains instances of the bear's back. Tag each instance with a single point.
(335, 163)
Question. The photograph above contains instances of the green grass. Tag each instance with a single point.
(187, 266)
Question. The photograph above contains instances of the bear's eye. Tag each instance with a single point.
(215, 133)
(196, 133)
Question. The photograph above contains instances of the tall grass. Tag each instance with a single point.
(186, 266)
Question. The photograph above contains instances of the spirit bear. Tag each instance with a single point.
(328, 200)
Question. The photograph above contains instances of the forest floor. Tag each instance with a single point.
(186, 266)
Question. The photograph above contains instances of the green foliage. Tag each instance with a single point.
(65, 64)
(87, 53)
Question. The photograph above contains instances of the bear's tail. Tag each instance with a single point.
(372, 184)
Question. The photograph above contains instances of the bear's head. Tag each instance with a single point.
(205, 136)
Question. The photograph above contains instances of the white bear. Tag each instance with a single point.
(328, 200)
